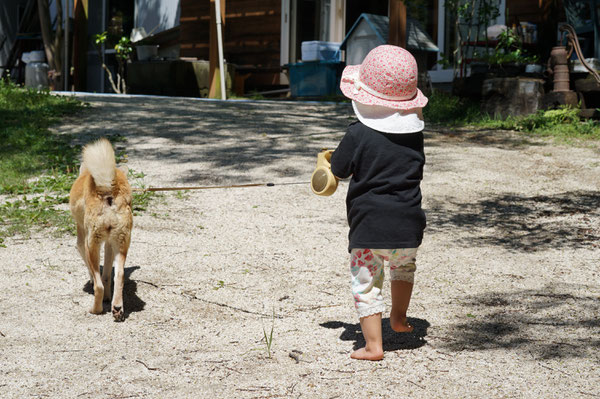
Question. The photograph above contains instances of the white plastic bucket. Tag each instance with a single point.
(36, 70)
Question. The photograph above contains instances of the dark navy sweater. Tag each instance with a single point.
(384, 196)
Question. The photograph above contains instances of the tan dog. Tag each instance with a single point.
(100, 203)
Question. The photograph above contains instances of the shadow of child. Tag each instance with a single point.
(392, 341)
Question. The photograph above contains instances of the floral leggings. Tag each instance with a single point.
(366, 267)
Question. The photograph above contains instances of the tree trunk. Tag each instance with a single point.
(53, 41)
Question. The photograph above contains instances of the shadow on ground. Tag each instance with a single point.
(230, 136)
(392, 341)
(547, 323)
(437, 135)
(131, 302)
(570, 219)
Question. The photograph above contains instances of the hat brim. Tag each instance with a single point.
(362, 96)
(388, 120)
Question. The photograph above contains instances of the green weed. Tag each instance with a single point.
(182, 194)
(269, 338)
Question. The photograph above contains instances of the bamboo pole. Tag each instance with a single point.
(216, 51)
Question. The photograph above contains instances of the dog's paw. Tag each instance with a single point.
(118, 313)
(94, 310)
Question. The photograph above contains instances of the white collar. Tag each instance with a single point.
(389, 120)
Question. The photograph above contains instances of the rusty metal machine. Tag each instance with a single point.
(558, 68)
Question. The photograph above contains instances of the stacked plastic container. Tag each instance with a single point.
(319, 72)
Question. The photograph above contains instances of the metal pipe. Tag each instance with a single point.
(558, 62)
(594, 12)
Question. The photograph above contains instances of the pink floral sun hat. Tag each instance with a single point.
(387, 77)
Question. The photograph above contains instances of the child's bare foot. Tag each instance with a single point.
(371, 329)
(399, 323)
(364, 354)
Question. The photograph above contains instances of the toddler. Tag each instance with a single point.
(383, 152)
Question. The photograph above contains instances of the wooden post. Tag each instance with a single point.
(397, 35)
(435, 21)
(214, 90)
(80, 15)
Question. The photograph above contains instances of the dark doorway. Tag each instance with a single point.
(356, 7)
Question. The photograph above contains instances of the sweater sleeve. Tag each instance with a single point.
(342, 159)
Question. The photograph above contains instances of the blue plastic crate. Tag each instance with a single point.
(315, 78)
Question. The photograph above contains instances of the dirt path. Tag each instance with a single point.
(506, 302)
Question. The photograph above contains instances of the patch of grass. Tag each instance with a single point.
(182, 195)
(28, 148)
(22, 214)
(563, 123)
(38, 167)
(141, 201)
(444, 108)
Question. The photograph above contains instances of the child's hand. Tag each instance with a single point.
(328, 154)
(322, 181)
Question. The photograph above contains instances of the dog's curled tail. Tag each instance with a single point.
(99, 160)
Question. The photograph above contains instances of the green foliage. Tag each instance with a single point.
(38, 167)
(563, 123)
(140, 199)
(28, 148)
(123, 48)
(100, 38)
(444, 108)
(22, 214)
(508, 40)
(34, 163)
(471, 19)
(510, 50)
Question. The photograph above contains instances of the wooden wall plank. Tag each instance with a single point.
(251, 36)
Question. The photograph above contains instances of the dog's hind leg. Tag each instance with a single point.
(109, 257)
(92, 250)
(81, 248)
(117, 302)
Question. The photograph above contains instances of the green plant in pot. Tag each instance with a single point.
(509, 58)
(123, 50)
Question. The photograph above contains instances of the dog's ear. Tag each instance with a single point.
(124, 168)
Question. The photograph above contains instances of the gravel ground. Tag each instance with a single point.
(506, 301)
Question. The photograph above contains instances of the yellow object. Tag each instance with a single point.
(322, 181)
